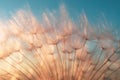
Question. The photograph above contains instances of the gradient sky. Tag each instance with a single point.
(96, 10)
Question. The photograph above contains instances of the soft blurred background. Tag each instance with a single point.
(97, 11)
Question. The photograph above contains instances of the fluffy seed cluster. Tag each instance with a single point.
(56, 48)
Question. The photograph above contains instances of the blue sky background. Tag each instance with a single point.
(96, 10)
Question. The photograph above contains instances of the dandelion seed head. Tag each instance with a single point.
(56, 48)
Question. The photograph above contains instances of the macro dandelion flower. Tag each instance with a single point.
(56, 48)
